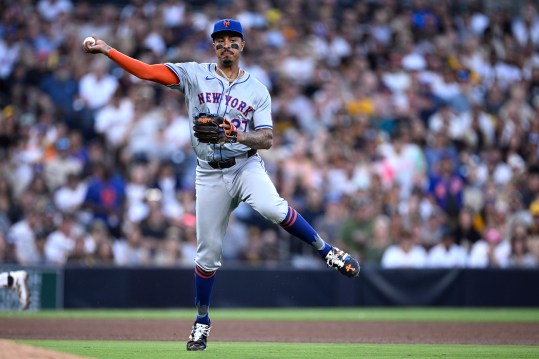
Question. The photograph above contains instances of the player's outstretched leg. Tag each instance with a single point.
(17, 282)
(296, 225)
(201, 327)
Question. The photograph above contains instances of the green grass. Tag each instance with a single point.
(221, 350)
(385, 314)
(165, 350)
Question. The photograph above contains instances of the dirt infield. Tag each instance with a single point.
(10, 350)
(276, 331)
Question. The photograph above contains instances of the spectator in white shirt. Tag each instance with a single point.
(98, 86)
(405, 254)
(132, 250)
(487, 252)
(114, 120)
(23, 235)
(50, 9)
(447, 254)
(525, 28)
(70, 197)
(61, 242)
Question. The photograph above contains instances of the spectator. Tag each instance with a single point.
(143, 135)
(520, 256)
(51, 9)
(381, 239)
(404, 254)
(236, 239)
(25, 235)
(487, 252)
(58, 168)
(95, 91)
(105, 197)
(431, 231)
(466, 234)
(114, 119)
(96, 233)
(526, 27)
(446, 187)
(170, 254)
(131, 251)
(406, 160)
(253, 251)
(78, 256)
(104, 255)
(154, 226)
(169, 183)
(447, 254)
(330, 222)
(61, 243)
(356, 231)
(97, 88)
(69, 197)
(63, 89)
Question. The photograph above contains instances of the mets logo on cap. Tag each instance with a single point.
(229, 25)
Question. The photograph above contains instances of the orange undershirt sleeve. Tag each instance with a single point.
(157, 73)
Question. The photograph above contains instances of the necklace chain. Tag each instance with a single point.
(226, 77)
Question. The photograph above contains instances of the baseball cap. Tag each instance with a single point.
(493, 236)
(62, 144)
(227, 25)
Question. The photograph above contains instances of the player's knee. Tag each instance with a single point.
(209, 260)
(208, 265)
(272, 213)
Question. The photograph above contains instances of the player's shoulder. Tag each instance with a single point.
(254, 83)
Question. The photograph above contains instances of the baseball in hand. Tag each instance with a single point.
(89, 40)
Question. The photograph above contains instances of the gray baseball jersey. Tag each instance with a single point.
(247, 103)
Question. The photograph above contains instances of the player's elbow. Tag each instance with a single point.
(268, 141)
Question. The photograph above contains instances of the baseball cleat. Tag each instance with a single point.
(20, 286)
(343, 262)
(199, 337)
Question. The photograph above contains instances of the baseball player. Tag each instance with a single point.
(231, 113)
(17, 282)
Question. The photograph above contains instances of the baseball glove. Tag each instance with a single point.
(214, 129)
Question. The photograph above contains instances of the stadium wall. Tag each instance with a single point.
(242, 287)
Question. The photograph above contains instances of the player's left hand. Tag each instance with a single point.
(207, 129)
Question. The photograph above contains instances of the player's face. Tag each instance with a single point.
(228, 47)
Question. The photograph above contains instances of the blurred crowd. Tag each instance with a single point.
(406, 132)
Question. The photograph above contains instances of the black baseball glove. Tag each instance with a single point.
(214, 129)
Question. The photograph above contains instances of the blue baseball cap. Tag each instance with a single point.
(227, 25)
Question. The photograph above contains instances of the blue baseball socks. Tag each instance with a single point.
(203, 284)
(297, 226)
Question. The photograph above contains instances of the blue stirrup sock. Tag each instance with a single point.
(297, 226)
(203, 284)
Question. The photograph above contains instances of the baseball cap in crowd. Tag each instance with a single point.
(227, 25)
(493, 236)
(62, 144)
